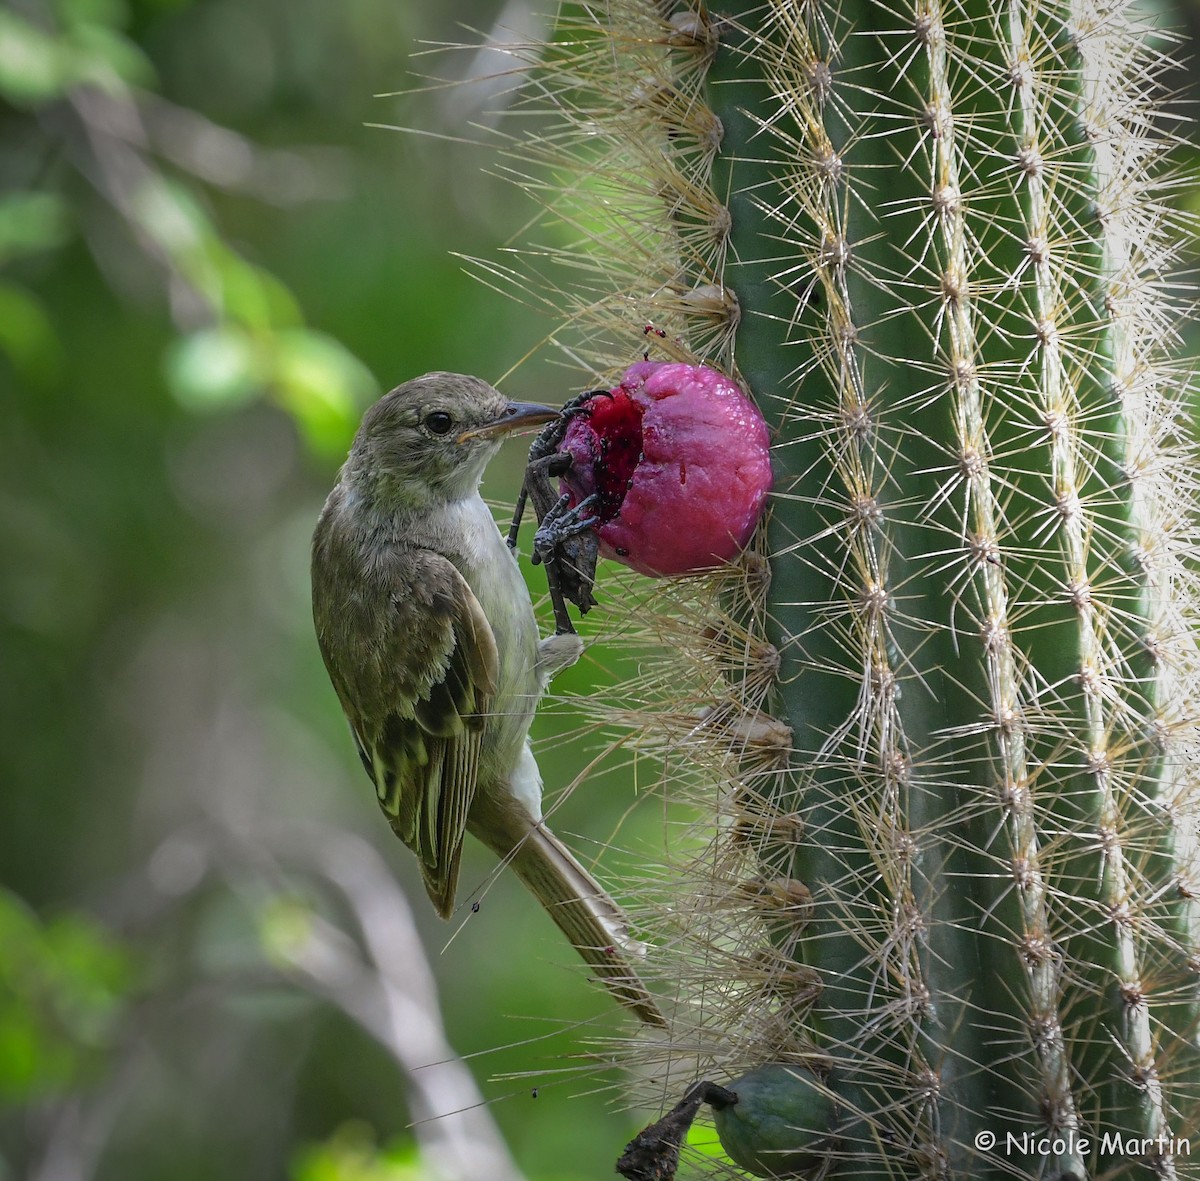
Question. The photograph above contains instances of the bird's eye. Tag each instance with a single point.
(439, 422)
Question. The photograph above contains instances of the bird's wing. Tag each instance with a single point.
(429, 681)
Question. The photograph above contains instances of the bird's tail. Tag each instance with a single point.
(584, 912)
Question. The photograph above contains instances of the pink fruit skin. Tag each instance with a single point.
(697, 491)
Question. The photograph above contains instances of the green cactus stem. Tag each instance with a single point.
(949, 698)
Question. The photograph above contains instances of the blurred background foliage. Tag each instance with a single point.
(213, 255)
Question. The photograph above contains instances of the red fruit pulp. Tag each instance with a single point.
(615, 420)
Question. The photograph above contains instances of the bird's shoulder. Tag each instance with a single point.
(394, 617)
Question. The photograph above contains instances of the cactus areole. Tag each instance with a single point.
(678, 457)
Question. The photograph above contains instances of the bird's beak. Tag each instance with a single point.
(516, 416)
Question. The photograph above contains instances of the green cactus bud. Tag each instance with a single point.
(782, 1125)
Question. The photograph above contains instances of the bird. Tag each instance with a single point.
(428, 633)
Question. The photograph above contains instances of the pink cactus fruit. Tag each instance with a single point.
(680, 458)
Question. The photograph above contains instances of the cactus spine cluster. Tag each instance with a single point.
(949, 698)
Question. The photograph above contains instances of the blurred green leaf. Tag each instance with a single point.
(250, 295)
(31, 222)
(37, 65)
(176, 219)
(104, 57)
(63, 987)
(319, 382)
(214, 368)
(323, 385)
(702, 1138)
(34, 67)
(350, 1155)
(92, 12)
(285, 927)
(27, 336)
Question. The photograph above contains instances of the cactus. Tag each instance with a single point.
(947, 700)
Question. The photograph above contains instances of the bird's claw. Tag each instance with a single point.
(548, 439)
(562, 523)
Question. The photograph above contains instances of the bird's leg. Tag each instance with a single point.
(566, 545)
(537, 487)
(518, 513)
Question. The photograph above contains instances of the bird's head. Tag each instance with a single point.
(429, 439)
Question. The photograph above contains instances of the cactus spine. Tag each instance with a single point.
(950, 697)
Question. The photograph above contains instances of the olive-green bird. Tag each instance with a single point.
(428, 633)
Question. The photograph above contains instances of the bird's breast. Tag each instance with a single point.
(492, 572)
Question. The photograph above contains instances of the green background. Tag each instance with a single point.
(210, 261)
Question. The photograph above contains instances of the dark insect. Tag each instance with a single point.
(566, 542)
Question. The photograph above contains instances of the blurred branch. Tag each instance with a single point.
(78, 1128)
(490, 80)
(221, 157)
(391, 993)
(102, 131)
(378, 976)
